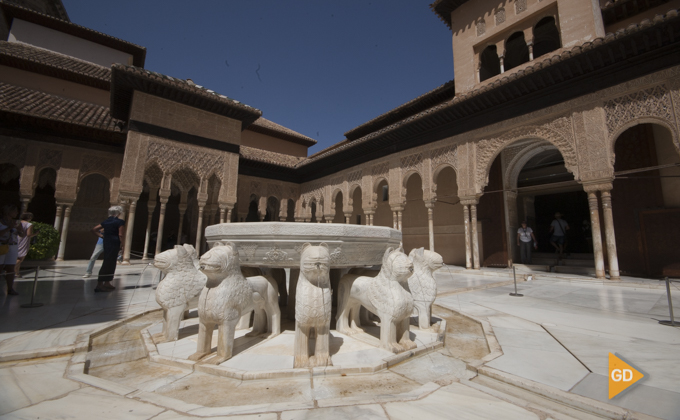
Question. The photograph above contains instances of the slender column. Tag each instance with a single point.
(609, 235)
(223, 214)
(399, 213)
(229, 216)
(595, 230)
(348, 217)
(24, 204)
(430, 223)
(475, 237)
(199, 229)
(502, 58)
(147, 236)
(161, 222)
(129, 228)
(468, 250)
(394, 220)
(531, 50)
(182, 212)
(64, 233)
(57, 218)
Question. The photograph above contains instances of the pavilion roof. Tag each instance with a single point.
(265, 126)
(54, 64)
(126, 79)
(443, 9)
(13, 11)
(39, 112)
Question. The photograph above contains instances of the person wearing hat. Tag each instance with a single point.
(525, 235)
(558, 229)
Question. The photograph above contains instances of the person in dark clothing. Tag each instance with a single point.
(114, 240)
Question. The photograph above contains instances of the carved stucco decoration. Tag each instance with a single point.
(13, 152)
(171, 158)
(643, 106)
(186, 179)
(50, 158)
(558, 132)
(517, 157)
(94, 164)
(443, 156)
(153, 176)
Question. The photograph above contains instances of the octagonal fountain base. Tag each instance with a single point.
(268, 358)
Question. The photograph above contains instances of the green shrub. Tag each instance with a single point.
(46, 243)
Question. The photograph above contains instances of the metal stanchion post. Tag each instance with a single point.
(670, 323)
(514, 275)
(35, 286)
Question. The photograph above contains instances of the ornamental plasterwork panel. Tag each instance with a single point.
(13, 152)
(103, 165)
(170, 157)
(186, 179)
(412, 162)
(444, 155)
(153, 176)
(520, 6)
(354, 177)
(558, 132)
(651, 102)
(380, 169)
(50, 158)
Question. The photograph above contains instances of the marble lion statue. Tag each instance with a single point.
(422, 284)
(179, 290)
(385, 295)
(313, 307)
(227, 296)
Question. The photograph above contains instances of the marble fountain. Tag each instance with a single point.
(382, 315)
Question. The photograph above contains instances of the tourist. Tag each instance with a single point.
(25, 241)
(10, 230)
(114, 240)
(525, 236)
(558, 229)
(98, 249)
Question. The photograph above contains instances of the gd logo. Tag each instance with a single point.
(621, 375)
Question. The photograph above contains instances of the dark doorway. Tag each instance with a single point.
(574, 208)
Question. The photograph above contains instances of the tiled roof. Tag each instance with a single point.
(273, 158)
(39, 105)
(126, 79)
(616, 11)
(13, 11)
(443, 9)
(54, 7)
(421, 103)
(264, 126)
(50, 63)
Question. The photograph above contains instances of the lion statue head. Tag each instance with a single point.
(219, 263)
(397, 265)
(181, 256)
(315, 262)
(424, 260)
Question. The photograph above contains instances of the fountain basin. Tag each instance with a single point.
(279, 244)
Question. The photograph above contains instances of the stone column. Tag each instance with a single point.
(24, 205)
(147, 236)
(394, 219)
(430, 223)
(199, 229)
(531, 50)
(475, 237)
(64, 232)
(223, 214)
(595, 230)
(399, 213)
(283, 209)
(609, 235)
(229, 216)
(161, 222)
(57, 218)
(502, 58)
(129, 228)
(468, 250)
(348, 217)
(182, 212)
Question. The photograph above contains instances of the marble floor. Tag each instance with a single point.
(558, 335)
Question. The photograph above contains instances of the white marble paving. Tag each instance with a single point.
(86, 404)
(457, 401)
(24, 385)
(171, 415)
(367, 412)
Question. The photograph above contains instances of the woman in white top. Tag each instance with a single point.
(525, 235)
(10, 230)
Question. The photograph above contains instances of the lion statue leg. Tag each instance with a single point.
(203, 346)
(322, 355)
(404, 336)
(388, 334)
(172, 317)
(225, 341)
(424, 314)
(301, 346)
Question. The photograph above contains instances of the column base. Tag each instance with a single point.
(125, 263)
(613, 278)
(59, 259)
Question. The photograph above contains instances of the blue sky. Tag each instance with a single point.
(318, 67)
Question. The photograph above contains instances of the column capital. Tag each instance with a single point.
(429, 204)
(67, 203)
(397, 207)
(469, 201)
(600, 185)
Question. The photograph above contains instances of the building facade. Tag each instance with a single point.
(557, 105)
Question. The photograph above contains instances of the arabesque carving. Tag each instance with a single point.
(651, 102)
